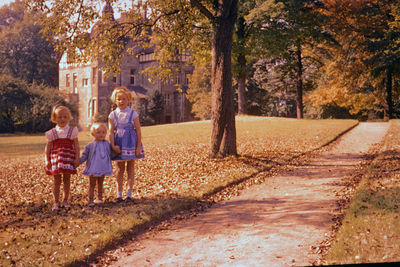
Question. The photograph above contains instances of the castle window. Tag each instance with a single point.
(92, 108)
(103, 77)
(85, 82)
(146, 57)
(178, 78)
(75, 83)
(186, 56)
(67, 83)
(187, 78)
(94, 71)
(132, 77)
(167, 99)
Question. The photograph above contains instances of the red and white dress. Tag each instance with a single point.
(62, 152)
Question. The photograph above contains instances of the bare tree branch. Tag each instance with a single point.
(202, 9)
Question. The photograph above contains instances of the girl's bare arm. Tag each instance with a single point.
(136, 122)
(113, 146)
(47, 151)
(77, 152)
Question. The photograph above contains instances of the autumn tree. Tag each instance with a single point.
(174, 25)
(292, 27)
(243, 52)
(199, 93)
(383, 42)
(24, 52)
(354, 71)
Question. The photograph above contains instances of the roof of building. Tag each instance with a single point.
(137, 91)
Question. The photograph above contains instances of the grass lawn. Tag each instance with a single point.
(371, 228)
(175, 174)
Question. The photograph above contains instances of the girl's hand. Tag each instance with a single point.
(138, 151)
(117, 149)
(76, 163)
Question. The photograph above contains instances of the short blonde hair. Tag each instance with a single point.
(121, 90)
(97, 125)
(56, 110)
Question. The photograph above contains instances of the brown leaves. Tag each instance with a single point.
(175, 171)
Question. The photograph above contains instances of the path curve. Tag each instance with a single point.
(272, 224)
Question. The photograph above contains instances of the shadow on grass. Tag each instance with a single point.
(379, 201)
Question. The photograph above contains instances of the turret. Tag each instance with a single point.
(108, 11)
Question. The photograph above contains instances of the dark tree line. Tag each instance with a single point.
(28, 72)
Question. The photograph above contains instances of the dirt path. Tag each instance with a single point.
(272, 224)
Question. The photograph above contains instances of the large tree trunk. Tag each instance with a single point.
(223, 132)
(389, 99)
(242, 65)
(299, 85)
(241, 94)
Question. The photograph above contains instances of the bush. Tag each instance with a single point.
(27, 107)
(42, 100)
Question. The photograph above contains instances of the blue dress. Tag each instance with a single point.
(98, 157)
(125, 137)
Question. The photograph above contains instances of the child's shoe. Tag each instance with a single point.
(118, 200)
(91, 204)
(66, 205)
(129, 200)
(98, 201)
(56, 206)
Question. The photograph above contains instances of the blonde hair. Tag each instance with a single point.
(121, 90)
(97, 125)
(56, 110)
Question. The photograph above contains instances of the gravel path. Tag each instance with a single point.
(273, 224)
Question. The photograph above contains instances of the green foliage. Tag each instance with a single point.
(11, 13)
(140, 105)
(105, 108)
(199, 92)
(26, 107)
(277, 78)
(155, 106)
(329, 112)
(284, 25)
(383, 39)
(256, 99)
(289, 29)
(24, 52)
(42, 100)
(14, 97)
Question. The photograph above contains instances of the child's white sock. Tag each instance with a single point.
(129, 194)
(119, 194)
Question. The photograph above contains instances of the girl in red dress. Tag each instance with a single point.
(62, 153)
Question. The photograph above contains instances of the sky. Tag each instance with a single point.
(121, 3)
(3, 2)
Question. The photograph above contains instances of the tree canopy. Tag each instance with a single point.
(24, 52)
(174, 25)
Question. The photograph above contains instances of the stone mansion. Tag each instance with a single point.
(87, 86)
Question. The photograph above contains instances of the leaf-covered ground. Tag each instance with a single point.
(175, 173)
(370, 232)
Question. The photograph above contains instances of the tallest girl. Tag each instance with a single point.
(125, 139)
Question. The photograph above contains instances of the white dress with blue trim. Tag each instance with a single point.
(125, 134)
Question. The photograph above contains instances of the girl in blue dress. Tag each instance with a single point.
(125, 139)
(97, 155)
